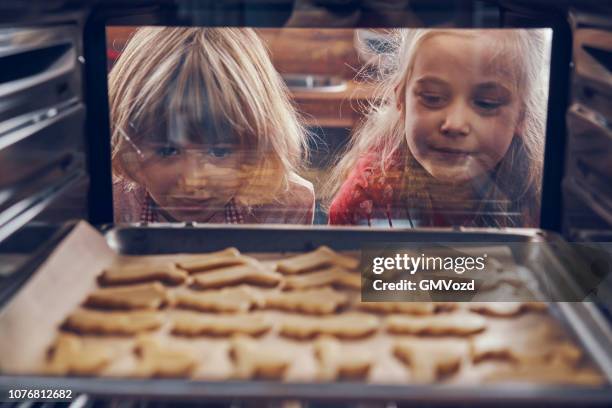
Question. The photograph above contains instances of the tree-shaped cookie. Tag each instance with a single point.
(255, 360)
(71, 355)
(334, 362)
(163, 360)
(430, 360)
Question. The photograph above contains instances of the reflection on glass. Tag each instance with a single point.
(458, 138)
(203, 130)
(430, 127)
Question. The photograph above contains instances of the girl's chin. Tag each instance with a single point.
(192, 216)
(452, 174)
(195, 214)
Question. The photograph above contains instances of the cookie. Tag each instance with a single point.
(494, 275)
(456, 324)
(157, 360)
(141, 273)
(319, 258)
(336, 363)
(506, 309)
(524, 349)
(212, 260)
(430, 360)
(119, 323)
(237, 299)
(250, 273)
(347, 325)
(414, 308)
(333, 276)
(69, 355)
(145, 296)
(254, 360)
(194, 324)
(311, 301)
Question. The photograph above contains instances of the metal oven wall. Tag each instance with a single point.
(588, 168)
(43, 176)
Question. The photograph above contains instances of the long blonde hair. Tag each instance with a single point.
(222, 83)
(519, 174)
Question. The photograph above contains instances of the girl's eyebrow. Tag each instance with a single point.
(492, 86)
(429, 79)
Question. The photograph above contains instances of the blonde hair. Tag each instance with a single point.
(221, 82)
(519, 174)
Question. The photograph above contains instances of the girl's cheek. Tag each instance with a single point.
(497, 135)
(421, 124)
(162, 179)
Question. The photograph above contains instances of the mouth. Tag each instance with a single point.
(450, 153)
(450, 150)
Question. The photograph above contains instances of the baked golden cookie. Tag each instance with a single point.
(346, 325)
(213, 260)
(253, 359)
(311, 301)
(495, 274)
(430, 360)
(142, 272)
(144, 296)
(334, 362)
(69, 355)
(251, 273)
(414, 308)
(163, 360)
(107, 323)
(195, 324)
(507, 309)
(332, 276)
(453, 324)
(524, 349)
(319, 258)
(239, 299)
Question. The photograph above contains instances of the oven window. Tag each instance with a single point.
(381, 127)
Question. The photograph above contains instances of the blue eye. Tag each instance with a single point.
(167, 151)
(220, 152)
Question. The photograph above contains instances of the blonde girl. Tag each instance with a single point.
(458, 138)
(202, 130)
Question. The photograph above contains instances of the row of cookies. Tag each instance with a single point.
(342, 325)
(229, 267)
(497, 346)
(425, 360)
(241, 298)
(155, 358)
(232, 299)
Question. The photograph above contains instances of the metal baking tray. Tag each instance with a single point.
(582, 320)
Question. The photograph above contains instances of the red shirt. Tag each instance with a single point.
(367, 193)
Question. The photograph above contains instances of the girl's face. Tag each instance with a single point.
(192, 182)
(461, 106)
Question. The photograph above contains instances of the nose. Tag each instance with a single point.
(193, 171)
(456, 120)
